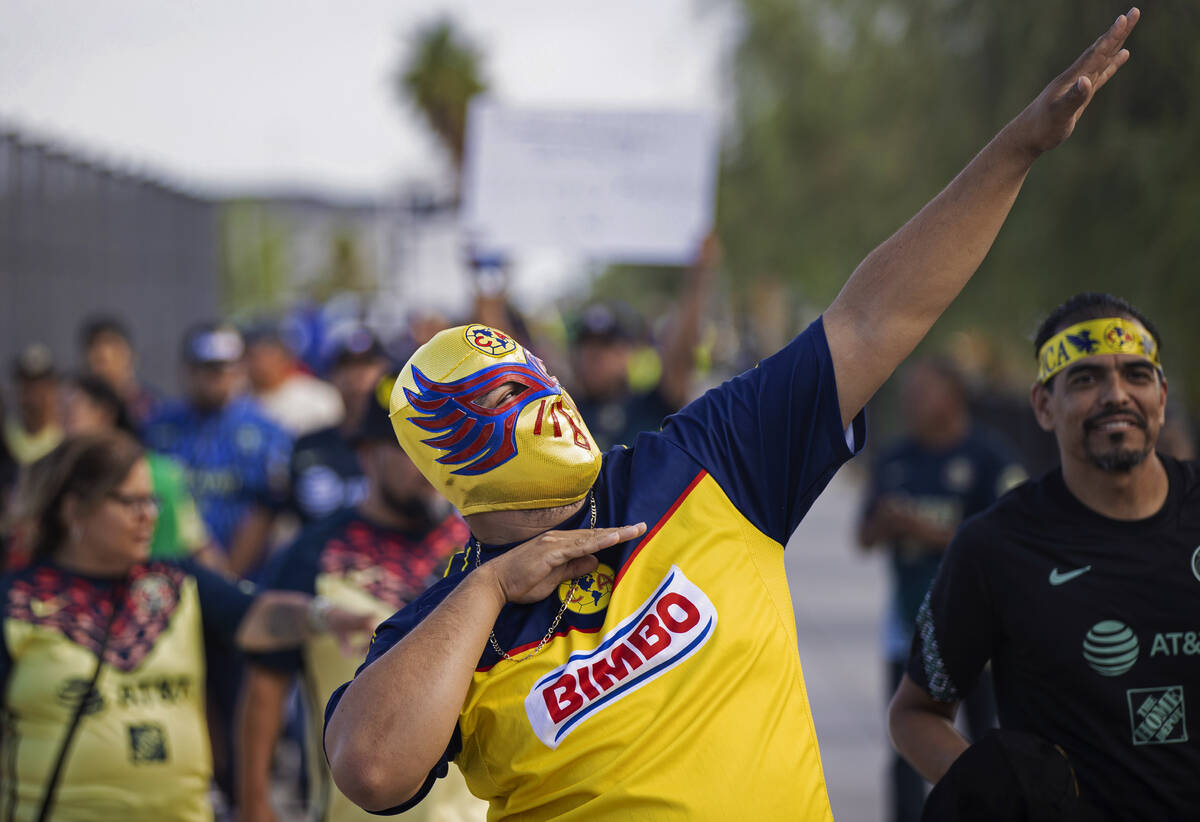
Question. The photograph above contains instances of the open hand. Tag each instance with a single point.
(1050, 119)
(532, 570)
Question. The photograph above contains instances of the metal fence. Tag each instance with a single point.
(77, 239)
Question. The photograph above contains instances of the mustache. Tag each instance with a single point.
(1098, 419)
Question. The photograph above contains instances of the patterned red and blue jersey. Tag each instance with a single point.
(141, 751)
(672, 688)
(348, 558)
(367, 568)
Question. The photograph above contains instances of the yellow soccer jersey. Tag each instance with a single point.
(672, 689)
(364, 567)
(141, 750)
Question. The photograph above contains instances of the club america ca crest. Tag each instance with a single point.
(490, 341)
(591, 593)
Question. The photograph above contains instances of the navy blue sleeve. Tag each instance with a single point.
(956, 627)
(292, 569)
(223, 604)
(390, 632)
(772, 437)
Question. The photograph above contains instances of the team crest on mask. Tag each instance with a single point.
(475, 437)
(490, 341)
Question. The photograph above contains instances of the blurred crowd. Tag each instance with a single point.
(278, 442)
(258, 442)
(281, 427)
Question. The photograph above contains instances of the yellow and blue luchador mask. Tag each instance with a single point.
(531, 451)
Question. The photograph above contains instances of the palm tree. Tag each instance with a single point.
(440, 77)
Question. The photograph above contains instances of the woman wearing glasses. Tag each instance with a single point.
(93, 406)
(102, 652)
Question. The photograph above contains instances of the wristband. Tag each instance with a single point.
(318, 615)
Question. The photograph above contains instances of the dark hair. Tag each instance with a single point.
(95, 327)
(101, 392)
(88, 466)
(1090, 305)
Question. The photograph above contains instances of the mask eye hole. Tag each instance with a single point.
(500, 397)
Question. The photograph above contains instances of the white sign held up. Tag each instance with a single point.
(614, 186)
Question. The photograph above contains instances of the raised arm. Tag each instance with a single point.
(895, 295)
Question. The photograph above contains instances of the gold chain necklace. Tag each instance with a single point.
(557, 617)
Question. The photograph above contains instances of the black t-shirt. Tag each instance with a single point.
(324, 474)
(1092, 626)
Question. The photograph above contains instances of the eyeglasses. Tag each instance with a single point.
(137, 503)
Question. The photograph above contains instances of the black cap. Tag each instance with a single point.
(35, 362)
(263, 331)
(353, 341)
(213, 344)
(376, 424)
(606, 322)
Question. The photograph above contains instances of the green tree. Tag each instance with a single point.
(851, 114)
(439, 77)
(346, 269)
(254, 252)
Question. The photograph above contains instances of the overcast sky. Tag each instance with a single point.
(226, 95)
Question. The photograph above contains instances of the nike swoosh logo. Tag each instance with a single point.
(1058, 579)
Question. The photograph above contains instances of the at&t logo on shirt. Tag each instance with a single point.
(1110, 648)
(675, 622)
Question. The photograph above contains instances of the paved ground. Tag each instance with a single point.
(838, 594)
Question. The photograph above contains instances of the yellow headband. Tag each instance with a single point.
(1109, 335)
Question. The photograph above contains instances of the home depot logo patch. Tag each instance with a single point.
(671, 625)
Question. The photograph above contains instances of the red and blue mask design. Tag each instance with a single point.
(530, 451)
(474, 437)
